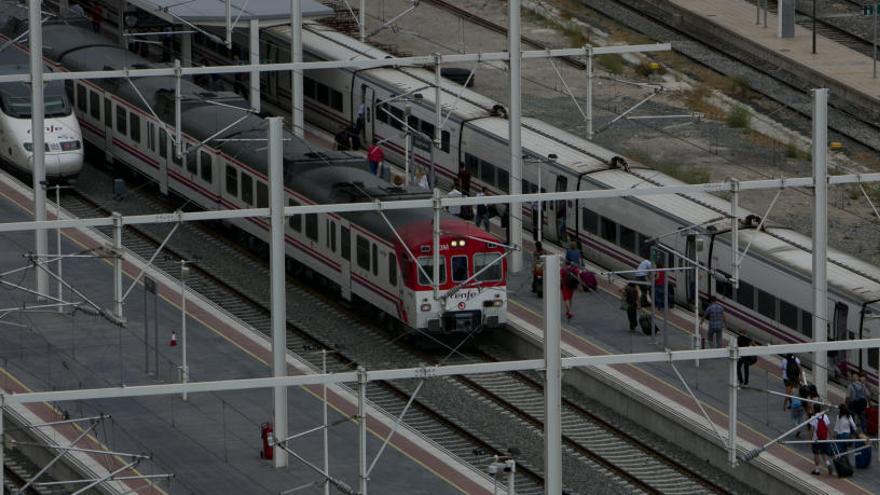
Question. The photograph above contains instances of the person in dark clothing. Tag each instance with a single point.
(743, 363)
(464, 178)
(630, 295)
(343, 139)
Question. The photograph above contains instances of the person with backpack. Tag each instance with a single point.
(569, 282)
(791, 376)
(844, 428)
(797, 412)
(743, 363)
(857, 395)
(630, 301)
(821, 426)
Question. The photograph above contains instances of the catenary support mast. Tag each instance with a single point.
(38, 142)
(514, 211)
(279, 299)
(820, 236)
(296, 105)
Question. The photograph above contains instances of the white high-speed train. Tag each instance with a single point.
(773, 301)
(63, 139)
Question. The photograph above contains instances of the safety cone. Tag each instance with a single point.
(173, 342)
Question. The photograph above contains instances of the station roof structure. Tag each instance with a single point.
(213, 12)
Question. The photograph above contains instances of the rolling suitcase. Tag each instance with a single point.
(863, 457)
(841, 464)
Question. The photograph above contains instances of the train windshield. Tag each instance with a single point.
(494, 272)
(427, 264)
(20, 108)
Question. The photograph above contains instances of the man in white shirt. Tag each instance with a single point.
(642, 276)
(455, 193)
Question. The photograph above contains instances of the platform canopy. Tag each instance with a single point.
(213, 12)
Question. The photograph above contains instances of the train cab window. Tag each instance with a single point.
(374, 255)
(206, 167)
(459, 265)
(503, 180)
(745, 295)
(345, 243)
(81, 100)
(247, 188)
(108, 113)
(163, 143)
(609, 230)
(134, 122)
(788, 314)
(295, 221)
(493, 273)
(807, 323)
(312, 226)
(362, 251)
(121, 126)
(392, 269)
(628, 239)
(231, 181)
(427, 263)
(766, 304)
(263, 196)
(590, 221)
(95, 105)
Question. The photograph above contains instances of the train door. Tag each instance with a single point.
(839, 331)
(560, 210)
(368, 99)
(108, 129)
(345, 265)
(163, 159)
(207, 178)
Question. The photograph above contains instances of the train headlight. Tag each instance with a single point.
(497, 303)
(425, 307)
(70, 145)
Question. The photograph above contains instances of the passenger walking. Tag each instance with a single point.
(820, 426)
(573, 254)
(455, 193)
(361, 117)
(714, 337)
(342, 139)
(630, 301)
(857, 395)
(660, 288)
(538, 269)
(797, 414)
(535, 220)
(376, 156)
(743, 363)
(844, 428)
(97, 17)
(642, 276)
(464, 178)
(482, 217)
(569, 282)
(791, 376)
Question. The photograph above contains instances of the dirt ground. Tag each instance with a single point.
(727, 139)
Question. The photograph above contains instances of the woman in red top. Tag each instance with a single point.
(569, 281)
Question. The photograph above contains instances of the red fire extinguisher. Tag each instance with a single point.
(266, 435)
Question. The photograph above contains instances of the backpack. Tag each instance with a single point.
(822, 429)
(792, 369)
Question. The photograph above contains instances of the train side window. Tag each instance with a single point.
(247, 188)
(382, 114)
(766, 304)
(151, 136)
(336, 100)
(331, 238)
(459, 266)
(493, 273)
(609, 230)
(81, 97)
(192, 165)
(503, 180)
(121, 128)
(745, 295)
(873, 356)
(309, 88)
(345, 241)
(487, 172)
(263, 197)
(68, 88)
(163, 143)
(561, 185)
(841, 311)
(232, 180)
(134, 122)
(427, 128)
(788, 314)
(396, 118)
(427, 263)
(206, 167)
(95, 105)
(108, 113)
(363, 253)
(590, 221)
(473, 164)
(628, 239)
(323, 94)
(644, 246)
(295, 221)
(312, 226)
(725, 289)
(374, 255)
(444, 141)
(807, 323)
(392, 269)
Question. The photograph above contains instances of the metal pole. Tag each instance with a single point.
(734, 231)
(874, 43)
(362, 21)
(228, 12)
(696, 337)
(589, 102)
(296, 82)
(514, 211)
(511, 478)
(407, 152)
(765, 12)
(156, 332)
(758, 12)
(435, 248)
(326, 427)
(178, 98)
(117, 265)
(38, 126)
(362, 431)
(731, 427)
(186, 50)
(652, 276)
(540, 220)
(438, 94)
(146, 335)
(279, 296)
(814, 27)
(553, 383)
(820, 235)
(2, 450)
(254, 46)
(58, 246)
(184, 368)
(666, 307)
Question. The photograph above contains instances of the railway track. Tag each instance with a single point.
(619, 457)
(17, 469)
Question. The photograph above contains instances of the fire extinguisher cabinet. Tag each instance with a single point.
(266, 451)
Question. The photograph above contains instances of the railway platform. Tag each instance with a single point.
(652, 395)
(210, 442)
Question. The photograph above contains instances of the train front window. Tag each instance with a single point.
(493, 273)
(427, 263)
(459, 268)
(56, 106)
